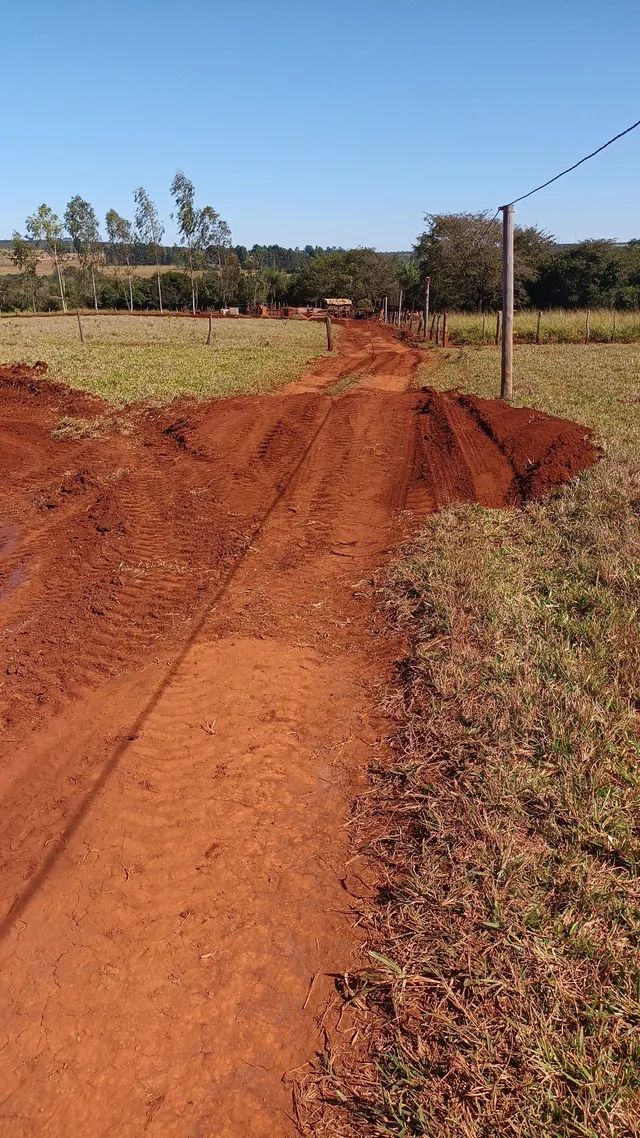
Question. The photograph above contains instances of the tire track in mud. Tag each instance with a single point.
(141, 847)
(177, 843)
(128, 731)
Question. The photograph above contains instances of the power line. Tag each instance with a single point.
(576, 164)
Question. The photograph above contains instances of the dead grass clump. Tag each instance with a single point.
(504, 986)
(72, 427)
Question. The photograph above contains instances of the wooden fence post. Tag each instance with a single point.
(210, 330)
(445, 334)
(538, 327)
(587, 326)
(484, 325)
(433, 324)
(497, 336)
(437, 329)
(425, 310)
(613, 330)
(80, 328)
(327, 321)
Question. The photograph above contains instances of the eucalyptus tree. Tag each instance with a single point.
(149, 230)
(26, 254)
(44, 226)
(120, 234)
(201, 229)
(84, 230)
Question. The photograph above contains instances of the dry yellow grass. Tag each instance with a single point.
(46, 267)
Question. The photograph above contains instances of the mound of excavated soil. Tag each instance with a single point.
(483, 450)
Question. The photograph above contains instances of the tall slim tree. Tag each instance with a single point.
(120, 234)
(149, 230)
(84, 230)
(26, 255)
(200, 229)
(45, 226)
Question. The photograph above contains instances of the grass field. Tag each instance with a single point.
(556, 326)
(503, 993)
(143, 357)
(46, 267)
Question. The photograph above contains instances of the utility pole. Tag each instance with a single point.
(506, 373)
(427, 289)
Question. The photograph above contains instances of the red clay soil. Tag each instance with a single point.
(186, 680)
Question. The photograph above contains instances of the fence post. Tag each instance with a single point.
(587, 326)
(425, 314)
(445, 340)
(210, 329)
(613, 330)
(538, 327)
(327, 321)
(437, 329)
(497, 337)
(80, 328)
(506, 369)
(433, 324)
(386, 309)
(484, 325)
(400, 308)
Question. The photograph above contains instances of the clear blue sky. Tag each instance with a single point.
(338, 122)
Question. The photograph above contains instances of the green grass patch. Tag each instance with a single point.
(124, 359)
(502, 994)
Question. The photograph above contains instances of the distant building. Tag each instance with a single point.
(337, 306)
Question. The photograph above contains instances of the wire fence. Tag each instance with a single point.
(549, 326)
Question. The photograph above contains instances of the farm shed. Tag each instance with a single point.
(337, 306)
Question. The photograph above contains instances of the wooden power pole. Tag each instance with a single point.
(506, 374)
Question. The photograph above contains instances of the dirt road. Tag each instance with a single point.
(188, 708)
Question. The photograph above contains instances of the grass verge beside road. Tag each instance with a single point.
(125, 358)
(557, 326)
(502, 995)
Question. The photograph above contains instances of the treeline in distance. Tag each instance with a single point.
(460, 253)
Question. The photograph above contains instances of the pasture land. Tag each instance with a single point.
(503, 990)
(46, 267)
(127, 358)
(557, 326)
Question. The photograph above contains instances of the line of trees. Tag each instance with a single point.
(205, 239)
(461, 253)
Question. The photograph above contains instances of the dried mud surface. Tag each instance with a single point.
(186, 696)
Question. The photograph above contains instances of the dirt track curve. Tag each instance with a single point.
(186, 685)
